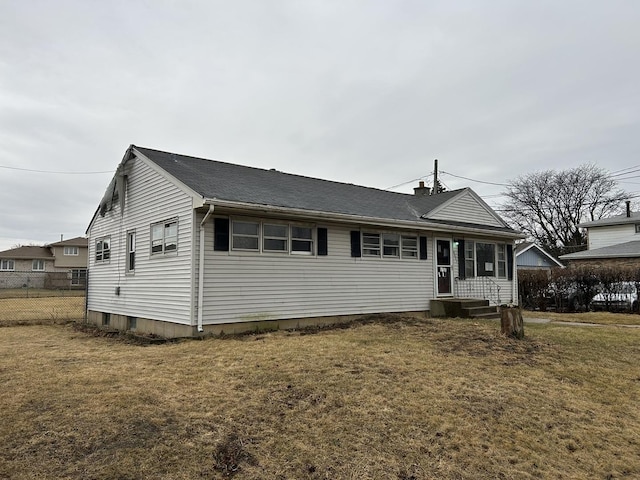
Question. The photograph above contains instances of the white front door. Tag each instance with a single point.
(444, 278)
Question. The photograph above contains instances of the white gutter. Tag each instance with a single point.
(201, 269)
(361, 219)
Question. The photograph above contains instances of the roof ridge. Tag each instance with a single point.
(292, 174)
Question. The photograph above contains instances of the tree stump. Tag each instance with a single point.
(511, 321)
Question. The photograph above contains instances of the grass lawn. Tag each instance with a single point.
(408, 398)
(602, 318)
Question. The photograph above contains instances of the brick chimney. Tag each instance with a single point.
(421, 190)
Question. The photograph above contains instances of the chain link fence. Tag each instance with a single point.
(42, 297)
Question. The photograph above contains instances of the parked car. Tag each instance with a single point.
(624, 299)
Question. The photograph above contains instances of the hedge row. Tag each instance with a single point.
(572, 289)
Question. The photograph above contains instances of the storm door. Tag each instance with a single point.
(443, 267)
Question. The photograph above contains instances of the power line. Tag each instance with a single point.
(54, 172)
(477, 181)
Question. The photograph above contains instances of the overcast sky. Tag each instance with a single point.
(366, 92)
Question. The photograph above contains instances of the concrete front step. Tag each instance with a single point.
(463, 308)
(476, 311)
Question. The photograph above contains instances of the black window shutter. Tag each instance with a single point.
(322, 241)
(461, 260)
(356, 249)
(510, 262)
(423, 248)
(221, 234)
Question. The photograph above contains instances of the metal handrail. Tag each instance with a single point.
(478, 286)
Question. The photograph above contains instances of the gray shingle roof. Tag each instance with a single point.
(622, 250)
(615, 220)
(27, 252)
(74, 242)
(225, 181)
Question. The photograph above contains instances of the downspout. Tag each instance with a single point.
(201, 269)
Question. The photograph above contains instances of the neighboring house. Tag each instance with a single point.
(530, 256)
(58, 265)
(613, 241)
(182, 245)
(70, 257)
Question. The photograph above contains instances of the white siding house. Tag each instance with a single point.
(611, 241)
(182, 245)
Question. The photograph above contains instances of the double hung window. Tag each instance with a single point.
(275, 238)
(371, 244)
(390, 245)
(131, 251)
(164, 237)
(245, 235)
(409, 246)
(103, 249)
(301, 239)
(469, 259)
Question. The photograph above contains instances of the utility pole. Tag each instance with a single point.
(435, 189)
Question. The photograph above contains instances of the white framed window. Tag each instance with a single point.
(103, 249)
(164, 236)
(409, 246)
(637, 227)
(37, 265)
(271, 237)
(70, 251)
(79, 276)
(275, 237)
(501, 250)
(245, 235)
(7, 265)
(469, 259)
(390, 245)
(131, 251)
(301, 239)
(371, 244)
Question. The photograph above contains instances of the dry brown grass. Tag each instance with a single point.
(40, 310)
(406, 399)
(602, 318)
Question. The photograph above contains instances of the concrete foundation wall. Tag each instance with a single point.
(174, 330)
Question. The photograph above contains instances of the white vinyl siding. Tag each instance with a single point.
(600, 237)
(161, 288)
(241, 287)
(465, 208)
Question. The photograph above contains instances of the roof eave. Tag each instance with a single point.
(422, 224)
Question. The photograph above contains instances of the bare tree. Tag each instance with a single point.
(549, 205)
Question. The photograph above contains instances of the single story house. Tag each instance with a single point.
(531, 256)
(612, 241)
(181, 246)
(57, 265)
